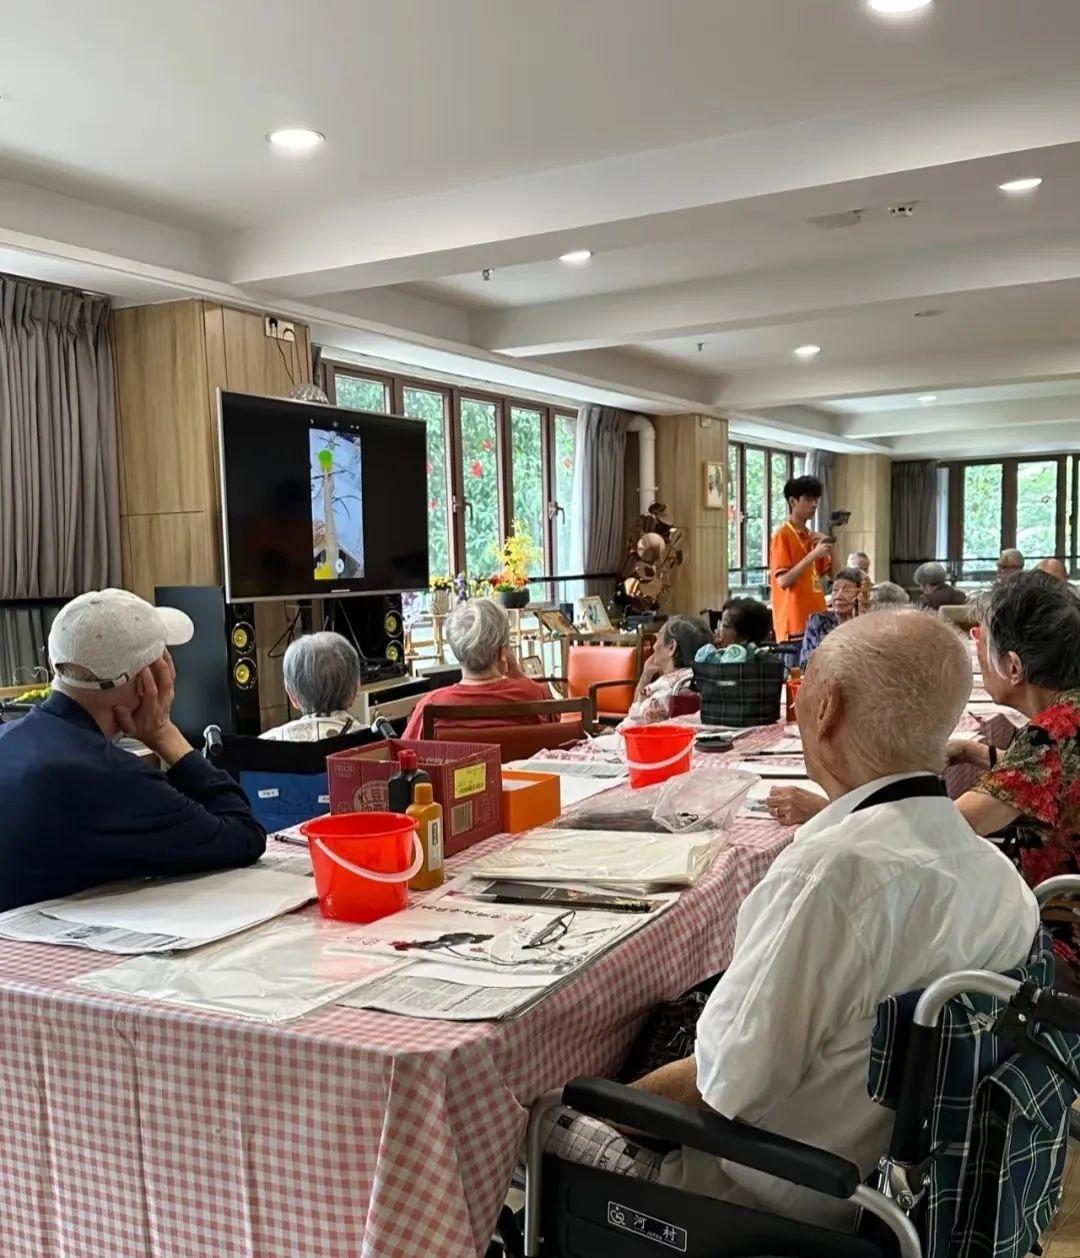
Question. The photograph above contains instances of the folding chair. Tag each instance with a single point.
(284, 782)
(953, 1183)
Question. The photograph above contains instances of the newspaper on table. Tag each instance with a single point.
(574, 768)
(628, 861)
(774, 767)
(276, 973)
(162, 914)
(482, 961)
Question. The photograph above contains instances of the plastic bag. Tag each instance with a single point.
(702, 799)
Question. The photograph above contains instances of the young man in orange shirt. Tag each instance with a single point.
(798, 559)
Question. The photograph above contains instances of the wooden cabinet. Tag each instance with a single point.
(171, 360)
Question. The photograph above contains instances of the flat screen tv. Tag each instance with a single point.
(319, 501)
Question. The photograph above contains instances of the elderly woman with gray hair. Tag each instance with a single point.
(478, 634)
(322, 676)
(1029, 649)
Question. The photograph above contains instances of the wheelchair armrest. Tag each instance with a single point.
(748, 1146)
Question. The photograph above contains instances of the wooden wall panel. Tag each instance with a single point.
(168, 549)
(862, 484)
(167, 459)
(683, 445)
(255, 362)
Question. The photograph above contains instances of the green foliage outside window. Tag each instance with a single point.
(1036, 509)
(565, 454)
(479, 456)
(361, 395)
(429, 406)
(982, 516)
(756, 524)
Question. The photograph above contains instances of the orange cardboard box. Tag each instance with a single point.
(529, 799)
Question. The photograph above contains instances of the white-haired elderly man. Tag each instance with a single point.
(478, 634)
(322, 676)
(873, 897)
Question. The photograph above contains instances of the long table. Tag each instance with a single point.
(138, 1130)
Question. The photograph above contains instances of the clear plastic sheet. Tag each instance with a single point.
(702, 800)
(273, 974)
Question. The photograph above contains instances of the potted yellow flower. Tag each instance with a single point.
(517, 555)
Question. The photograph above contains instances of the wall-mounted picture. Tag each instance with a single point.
(591, 614)
(715, 476)
(554, 621)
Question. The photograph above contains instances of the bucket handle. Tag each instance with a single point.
(373, 874)
(656, 764)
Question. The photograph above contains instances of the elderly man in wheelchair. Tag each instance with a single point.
(767, 1140)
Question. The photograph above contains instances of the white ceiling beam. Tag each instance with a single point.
(1037, 439)
(1014, 413)
(756, 299)
(535, 216)
(918, 373)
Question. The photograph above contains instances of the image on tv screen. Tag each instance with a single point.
(337, 505)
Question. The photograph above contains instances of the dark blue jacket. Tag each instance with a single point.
(76, 810)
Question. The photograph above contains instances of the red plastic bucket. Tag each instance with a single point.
(363, 862)
(655, 753)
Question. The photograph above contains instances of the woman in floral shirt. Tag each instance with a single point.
(1029, 648)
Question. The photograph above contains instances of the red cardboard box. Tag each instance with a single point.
(466, 779)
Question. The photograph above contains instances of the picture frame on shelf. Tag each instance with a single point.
(532, 666)
(715, 475)
(592, 614)
(554, 622)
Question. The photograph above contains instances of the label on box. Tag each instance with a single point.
(461, 818)
(470, 780)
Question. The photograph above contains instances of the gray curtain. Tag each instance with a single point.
(596, 527)
(59, 479)
(914, 517)
(822, 464)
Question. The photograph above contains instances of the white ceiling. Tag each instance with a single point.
(689, 145)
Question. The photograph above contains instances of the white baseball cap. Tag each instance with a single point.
(114, 634)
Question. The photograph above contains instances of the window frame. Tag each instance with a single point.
(1065, 523)
(457, 502)
(737, 565)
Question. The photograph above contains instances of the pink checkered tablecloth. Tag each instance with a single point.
(135, 1130)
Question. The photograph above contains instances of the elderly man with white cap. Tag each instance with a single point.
(79, 811)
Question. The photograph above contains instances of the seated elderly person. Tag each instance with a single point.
(670, 669)
(322, 676)
(874, 897)
(78, 809)
(478, 634)
(1029, 649)
(1054, 568)
(933, 580)
(744, 622)
(887, 596)
(847, 585)
(1010, 563)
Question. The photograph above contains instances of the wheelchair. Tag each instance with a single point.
(285, 782)
(574, 1210)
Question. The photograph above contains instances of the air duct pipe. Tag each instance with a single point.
(647, 487)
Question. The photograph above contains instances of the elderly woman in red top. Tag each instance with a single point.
(1029, 648)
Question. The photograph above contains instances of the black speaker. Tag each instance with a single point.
(375, 626)
(217, 672)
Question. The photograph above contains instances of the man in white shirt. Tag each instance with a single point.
(883, 891)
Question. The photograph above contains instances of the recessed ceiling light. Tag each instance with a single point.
(808, 351)
(296, 139)
(927, 398)
(892, 8)
(1021, 185)
(576, 257)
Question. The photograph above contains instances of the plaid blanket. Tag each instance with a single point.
(999, 1120)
